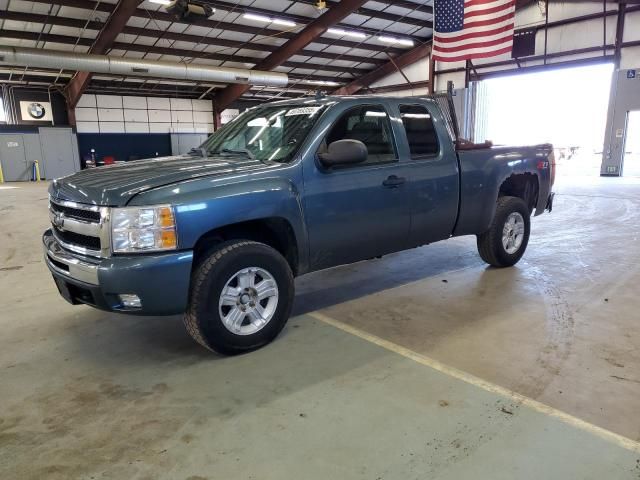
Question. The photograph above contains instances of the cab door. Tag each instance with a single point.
(432, 166)
(359, 211)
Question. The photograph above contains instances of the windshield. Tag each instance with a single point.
(269, 133)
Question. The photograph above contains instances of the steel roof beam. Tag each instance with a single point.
(312, 31)
(418, 7)
(232, 27)
(399, 62)
(400, 87)
(392, 17)
(102, 43)
(172, 36)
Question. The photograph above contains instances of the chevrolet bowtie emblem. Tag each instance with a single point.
(58, 220)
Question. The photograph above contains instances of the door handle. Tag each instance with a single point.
(394, 181)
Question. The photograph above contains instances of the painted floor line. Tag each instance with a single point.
(620, 440)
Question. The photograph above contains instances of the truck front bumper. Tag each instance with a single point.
(160, 281)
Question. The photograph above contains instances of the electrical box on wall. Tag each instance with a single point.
(35, 111)
(524, 43)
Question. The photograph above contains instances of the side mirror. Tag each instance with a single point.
(344, 152)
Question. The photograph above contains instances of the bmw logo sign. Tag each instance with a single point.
(37, 110)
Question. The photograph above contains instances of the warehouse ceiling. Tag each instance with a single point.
(238, 34)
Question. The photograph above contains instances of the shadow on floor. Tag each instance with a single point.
(153, 340)
(341, 284)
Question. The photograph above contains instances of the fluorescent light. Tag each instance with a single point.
(161, 2)
(398, 41)
(346, 33)
(286, 23)
(375, 114)
(257, 18)
(323, 82)
(265, 19)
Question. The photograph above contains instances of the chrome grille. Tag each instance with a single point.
(85, 241)
(76, 213)
(80, 228)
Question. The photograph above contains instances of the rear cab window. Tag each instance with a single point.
(421, 133)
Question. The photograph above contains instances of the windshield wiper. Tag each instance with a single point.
(243, 151)
(201, 151)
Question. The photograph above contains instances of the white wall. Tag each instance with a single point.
(121, 114)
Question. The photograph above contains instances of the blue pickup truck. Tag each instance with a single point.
(285, 189)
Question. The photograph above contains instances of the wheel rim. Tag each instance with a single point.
(513, 233)
(248, 301)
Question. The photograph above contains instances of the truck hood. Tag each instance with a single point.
(115, 185)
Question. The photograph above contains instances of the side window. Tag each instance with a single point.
(369, 124)
(421, 134)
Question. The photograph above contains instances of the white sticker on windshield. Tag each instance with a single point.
(303, 111)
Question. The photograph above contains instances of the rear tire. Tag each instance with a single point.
(504, 243)
(241, 297)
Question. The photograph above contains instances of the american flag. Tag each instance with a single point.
(468, 29)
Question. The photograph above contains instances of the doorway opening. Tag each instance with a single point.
(631, 160)
(564, 106)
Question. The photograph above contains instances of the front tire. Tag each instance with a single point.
(241, 297)
(506, 240)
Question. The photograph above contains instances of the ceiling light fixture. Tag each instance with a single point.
(286, 23)
(257, 18)
(346, 33)
(161, 2)
(324, 83)
(265, 19)
(396, 41)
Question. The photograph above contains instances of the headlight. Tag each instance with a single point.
(143, 229)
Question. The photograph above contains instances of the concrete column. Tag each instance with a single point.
(625, 96)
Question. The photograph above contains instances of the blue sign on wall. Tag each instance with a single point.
(631, 74)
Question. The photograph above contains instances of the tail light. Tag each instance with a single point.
(552, 166)
(549, 163)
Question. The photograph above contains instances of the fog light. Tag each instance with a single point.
(130, 300)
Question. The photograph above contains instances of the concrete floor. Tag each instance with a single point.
(86, 394)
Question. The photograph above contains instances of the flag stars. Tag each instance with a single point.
(449, 15)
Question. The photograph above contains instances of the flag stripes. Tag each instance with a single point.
(471, 29)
